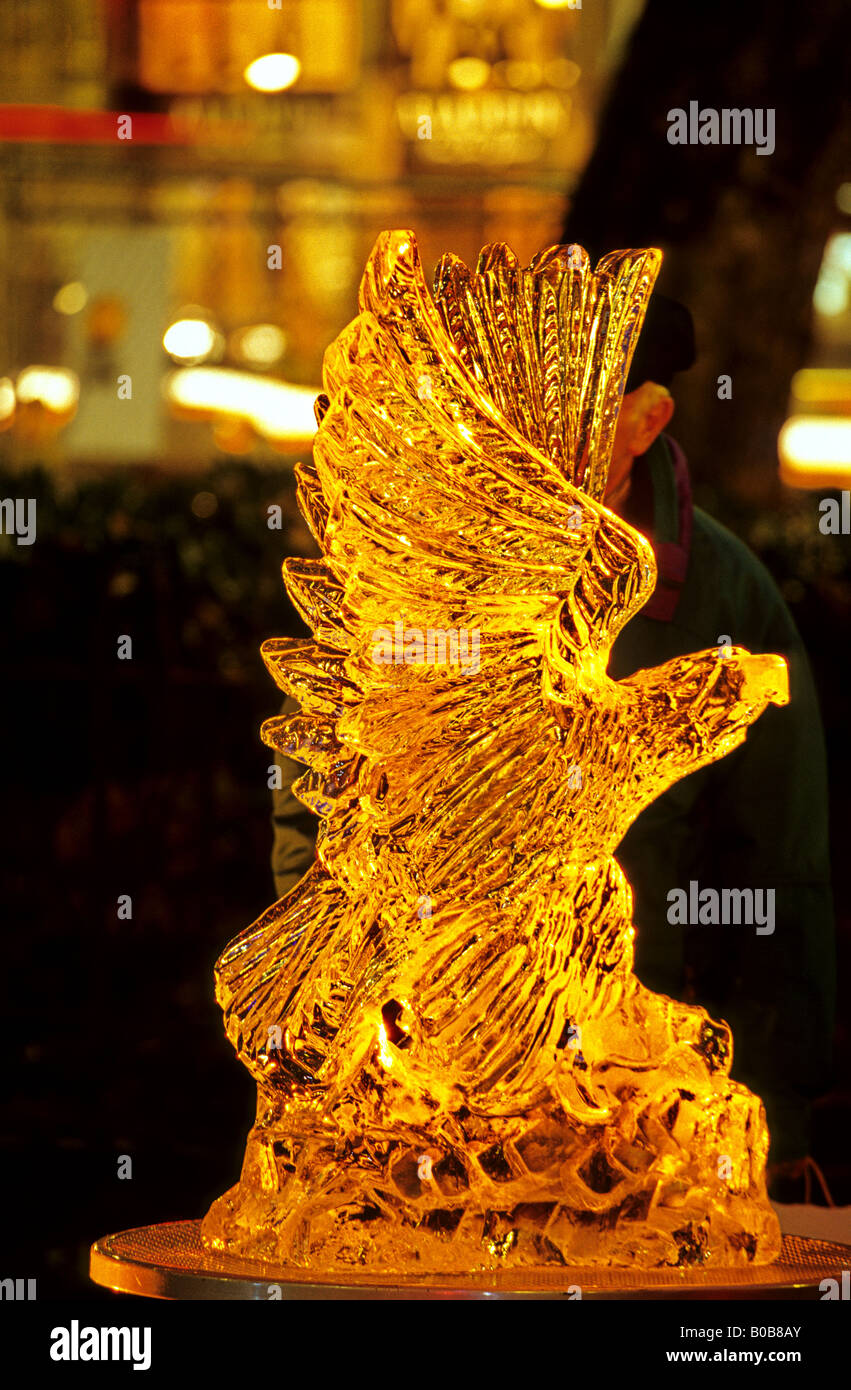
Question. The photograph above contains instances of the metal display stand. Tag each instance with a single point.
(169, 1261)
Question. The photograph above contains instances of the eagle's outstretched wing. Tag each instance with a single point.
(461, 455)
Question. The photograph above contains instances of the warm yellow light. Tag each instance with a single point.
(261, 344)
(469, 74)
(71, 298)
(56, 388)
(562, 72)
(823, 386)
(815, 451)
(189, 340)
(274, 72)
(558, 4)
(7, 399)
(275, 409)
(522, 75)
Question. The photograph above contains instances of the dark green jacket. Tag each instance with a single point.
(756, 819)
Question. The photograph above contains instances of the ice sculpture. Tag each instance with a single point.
(456, 1068)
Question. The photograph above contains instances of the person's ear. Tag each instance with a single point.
(655, 413)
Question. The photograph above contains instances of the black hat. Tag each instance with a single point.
(665, 345)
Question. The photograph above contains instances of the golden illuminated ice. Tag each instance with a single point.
(457, 1069)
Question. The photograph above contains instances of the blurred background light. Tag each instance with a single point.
(839, 251)
(832, 292)
(260, 345)
(815, 451)
(71, 298)
(189, 340)
(55, 388)
(204, 504)
(7, 401)
(821, 390)
(468, 74)
(561, 72)
(277, 411)
(274, 72)
(525, 76)
(830, 296)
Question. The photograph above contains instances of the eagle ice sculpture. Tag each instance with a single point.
(457, 1069)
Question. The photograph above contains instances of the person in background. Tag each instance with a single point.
(755, 819)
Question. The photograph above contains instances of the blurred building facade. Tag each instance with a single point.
(147, 180)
